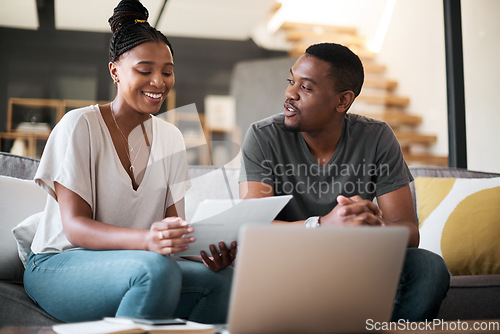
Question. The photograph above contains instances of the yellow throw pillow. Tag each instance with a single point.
(459, 219)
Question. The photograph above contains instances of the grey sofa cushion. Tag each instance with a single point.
(17, 309)
(20, 197)
(470, 297)
(473, 297)
(17, 166)
(449, 172)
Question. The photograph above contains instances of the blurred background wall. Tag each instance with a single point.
(57, 49)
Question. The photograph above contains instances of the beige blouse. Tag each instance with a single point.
(80, 155)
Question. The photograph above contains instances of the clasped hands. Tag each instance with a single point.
(171, 235)
(354, 211)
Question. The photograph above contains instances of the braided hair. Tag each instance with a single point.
(130, 28)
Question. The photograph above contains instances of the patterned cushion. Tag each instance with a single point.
(460, 220)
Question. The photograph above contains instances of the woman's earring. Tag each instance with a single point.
(115, 80)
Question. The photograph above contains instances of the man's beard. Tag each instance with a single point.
(291, 128)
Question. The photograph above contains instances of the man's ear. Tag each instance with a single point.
(345, 100)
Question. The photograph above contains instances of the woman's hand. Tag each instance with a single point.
(168, 236)
(219, 261)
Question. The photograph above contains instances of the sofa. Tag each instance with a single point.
(470, 296)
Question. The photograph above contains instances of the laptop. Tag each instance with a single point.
(289, 279)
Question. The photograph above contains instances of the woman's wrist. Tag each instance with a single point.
(147, 238)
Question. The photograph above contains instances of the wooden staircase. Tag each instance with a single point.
(378, 98)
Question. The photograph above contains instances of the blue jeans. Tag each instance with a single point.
(423, 285)
(82, 285)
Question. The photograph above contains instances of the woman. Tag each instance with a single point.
(116, 176)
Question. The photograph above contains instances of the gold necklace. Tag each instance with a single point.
(126, 143)
(133, 147)
(125, 140)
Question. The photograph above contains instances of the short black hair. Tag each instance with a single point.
(130, 28)
(345, 66)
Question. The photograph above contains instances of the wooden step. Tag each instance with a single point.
(374, 68)
(318, 27)
(425, 159)
(275, 7)
(386, 100)
(395, 119)
(305, 37)
(409, 138)
(299, 48)
(364, 54)
(380, 84)
(369, 66)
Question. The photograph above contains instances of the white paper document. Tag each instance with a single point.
(217, 220)
(122, 326)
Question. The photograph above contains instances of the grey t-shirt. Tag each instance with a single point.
(367, 162)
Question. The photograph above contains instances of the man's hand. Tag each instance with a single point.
(219, 261)
(353, 211)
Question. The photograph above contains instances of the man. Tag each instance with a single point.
(334, 163)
